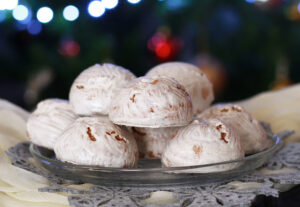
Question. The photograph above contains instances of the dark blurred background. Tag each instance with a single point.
(244, 46)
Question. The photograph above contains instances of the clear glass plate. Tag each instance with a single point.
(149, 172)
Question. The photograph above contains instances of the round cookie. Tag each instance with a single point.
(252, 134)
(97, 141)
(205, 142)
(192, 78)
(152, 102)
(93, 90)
(48, 121)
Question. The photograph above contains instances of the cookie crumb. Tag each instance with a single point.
(91, 136)
(236, 109)
(119, 138)
(219, 127)
(154, 82)
(197, 149)
(151, 154)
(132, 98)
(223, 135)
(79, 87)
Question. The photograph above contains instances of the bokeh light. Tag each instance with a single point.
(71, 13)
(293, 12)
(96, 8)
(256, 1)
(44, 15)
(164, 47)
(69, 48)
(110, 4)
(134, 1)
(34, 27)
(20, 13)
(8, 4)
(175, 4)
(2, 5)
(163, 50)
(2, 15)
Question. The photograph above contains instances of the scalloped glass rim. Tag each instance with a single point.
(277, 143)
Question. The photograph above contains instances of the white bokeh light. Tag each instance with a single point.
(71, 13)
(2, 4)
(134, 1)
(20, 13)
(44, 15)
(96, 8)
(8, 4)
(110, 4)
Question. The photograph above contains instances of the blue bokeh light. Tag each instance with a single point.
(2, 15)
(34, 27)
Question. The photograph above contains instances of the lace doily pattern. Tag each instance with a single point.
(283, 168)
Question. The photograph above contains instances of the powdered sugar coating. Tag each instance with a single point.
(93, 90)
(96, 141)
(152, 141)
(252, 134)
(203, 142)
(152, 102)
(48, 121)
(192, 78)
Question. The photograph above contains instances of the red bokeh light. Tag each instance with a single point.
(163, 47)
(69, 48)
(163, 50)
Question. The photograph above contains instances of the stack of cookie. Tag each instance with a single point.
(113, 118)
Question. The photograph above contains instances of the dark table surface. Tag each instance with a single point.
(289, 198)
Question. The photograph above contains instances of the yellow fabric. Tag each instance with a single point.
(19, 187)
(279, 108)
